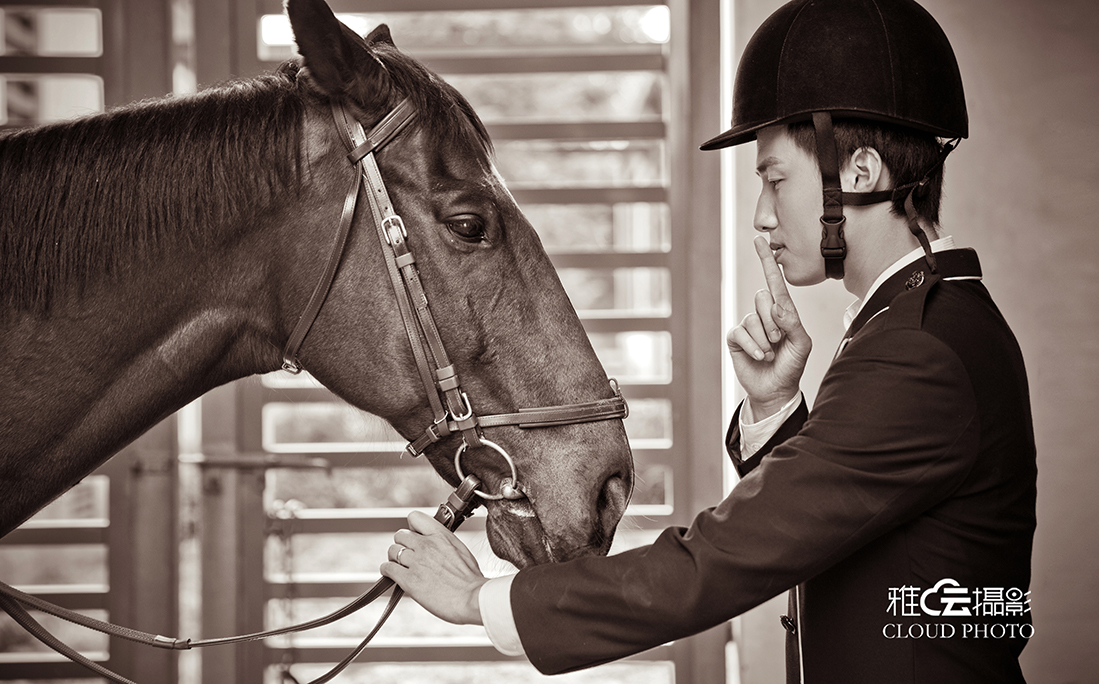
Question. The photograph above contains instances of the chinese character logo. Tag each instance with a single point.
(905, 600)
(949, 599)
(951, 596)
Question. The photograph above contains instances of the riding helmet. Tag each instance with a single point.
(883, 60)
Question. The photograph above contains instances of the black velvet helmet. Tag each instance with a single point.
(885, 60)
(882, 60)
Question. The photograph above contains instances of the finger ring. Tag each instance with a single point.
(402, 550)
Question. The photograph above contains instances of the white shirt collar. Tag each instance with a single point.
(941, 245)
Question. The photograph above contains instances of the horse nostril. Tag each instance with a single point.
(611, 503)
(615, 493)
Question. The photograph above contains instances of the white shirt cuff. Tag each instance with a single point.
(494, 600)
(753, 434)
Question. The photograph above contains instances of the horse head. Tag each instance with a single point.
(508, 328)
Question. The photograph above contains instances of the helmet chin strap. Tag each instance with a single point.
(833, 246)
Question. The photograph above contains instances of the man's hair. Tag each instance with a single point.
(907, 153)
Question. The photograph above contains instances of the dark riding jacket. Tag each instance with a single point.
(893, 507)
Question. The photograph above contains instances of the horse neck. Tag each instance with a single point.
(104, 366)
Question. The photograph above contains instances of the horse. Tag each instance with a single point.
(153, 252)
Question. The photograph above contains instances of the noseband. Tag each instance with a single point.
(450, 405)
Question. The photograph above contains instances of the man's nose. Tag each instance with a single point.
(764, 219)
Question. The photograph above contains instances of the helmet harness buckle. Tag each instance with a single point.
(833, 247)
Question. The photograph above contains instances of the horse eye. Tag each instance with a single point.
(470, 228)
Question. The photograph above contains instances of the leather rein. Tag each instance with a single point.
(451, 514)
(450, 405)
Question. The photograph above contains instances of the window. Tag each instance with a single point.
(47, 43)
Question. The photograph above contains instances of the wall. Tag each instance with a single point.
(1022, 190)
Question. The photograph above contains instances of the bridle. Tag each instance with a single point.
(450, 405)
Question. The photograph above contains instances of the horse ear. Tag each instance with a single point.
(337, 58)
(380, 35)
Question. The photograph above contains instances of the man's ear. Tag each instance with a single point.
(864, 172)
(338, 60)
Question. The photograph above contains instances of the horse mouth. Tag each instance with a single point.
(516, 534)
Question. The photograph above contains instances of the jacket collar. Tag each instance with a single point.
(953, 264)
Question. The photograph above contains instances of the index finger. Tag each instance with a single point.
(775, 282)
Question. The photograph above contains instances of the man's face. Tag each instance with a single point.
(790, 205)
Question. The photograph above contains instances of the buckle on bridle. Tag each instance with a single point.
(468, 413)
(291, 366)
(392, 223)
(460, 504)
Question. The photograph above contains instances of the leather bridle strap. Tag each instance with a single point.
(385, 131)
(392, 236)
(547, 416)
(436, 373)
(587, 412)
(451, 408)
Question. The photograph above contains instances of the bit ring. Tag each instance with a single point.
(509, 486)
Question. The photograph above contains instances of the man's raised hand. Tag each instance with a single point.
(770, 346)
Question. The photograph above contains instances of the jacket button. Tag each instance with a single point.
(789, 623)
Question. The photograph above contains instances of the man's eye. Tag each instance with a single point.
(469, 228)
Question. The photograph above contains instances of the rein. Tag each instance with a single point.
(451, 514)
(450, 404)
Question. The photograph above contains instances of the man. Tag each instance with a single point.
(901, 510)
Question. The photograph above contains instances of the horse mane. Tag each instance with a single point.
(83, 199)
(441, 110)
